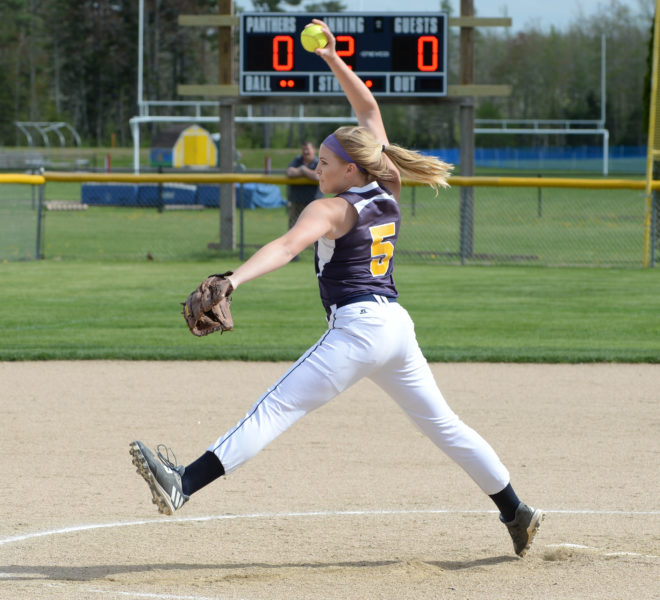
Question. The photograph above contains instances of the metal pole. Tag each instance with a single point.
(135, 130)
(140, 93)
(603, 86)
(34, 198)
(242, 219)
(135, 126)
(654, 227)
(652, 137)
(413, 200)
(39, 220)
(603, 100)
(655, 202)
(160, 204)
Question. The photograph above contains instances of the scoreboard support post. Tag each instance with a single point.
(467, 134)
(227, 146)
(226, 93)
(467, 90)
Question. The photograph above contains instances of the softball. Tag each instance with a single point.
(312, 37)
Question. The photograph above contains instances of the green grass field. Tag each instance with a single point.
(97, 296)
(131, 310)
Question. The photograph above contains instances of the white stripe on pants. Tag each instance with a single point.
(365, 339)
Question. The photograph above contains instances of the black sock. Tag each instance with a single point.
(507, 502)
(204, 470)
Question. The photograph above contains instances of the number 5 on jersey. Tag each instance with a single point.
(381, 251)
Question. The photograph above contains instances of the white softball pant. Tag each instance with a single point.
(365, 339)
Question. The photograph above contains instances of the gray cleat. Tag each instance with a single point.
(524, 527)
(163, 476)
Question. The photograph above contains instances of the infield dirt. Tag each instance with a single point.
(351, 502)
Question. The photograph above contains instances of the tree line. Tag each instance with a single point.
(76, 61)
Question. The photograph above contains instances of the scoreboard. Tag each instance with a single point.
(394, 54)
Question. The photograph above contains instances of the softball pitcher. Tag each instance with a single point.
(354, 231)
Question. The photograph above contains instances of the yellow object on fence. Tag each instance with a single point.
(22, 178)
(532, 182)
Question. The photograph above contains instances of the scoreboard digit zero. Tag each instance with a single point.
(394, 54)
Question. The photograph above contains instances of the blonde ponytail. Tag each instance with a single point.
(369, 153)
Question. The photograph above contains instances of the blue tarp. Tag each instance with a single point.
(113, 194)
(251, 195)
(169, 193)
(259, 195)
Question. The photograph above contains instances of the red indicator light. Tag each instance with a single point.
(283, 53)
(290, 83)
(349, 51)
(421, 43)
(369, 83)
(282, 83)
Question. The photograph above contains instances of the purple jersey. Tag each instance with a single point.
(362, 261)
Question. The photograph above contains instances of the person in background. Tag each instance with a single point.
(300, 196)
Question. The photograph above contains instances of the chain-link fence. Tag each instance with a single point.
(525, 225)
(20, 217)
(491, 222)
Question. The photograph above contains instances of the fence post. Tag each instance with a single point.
(467, 221)
(33, 172)
(651, 199)
(241, 210)
(40, 208)
(159, 201)
(414, 188)
(539, 201)
(654, 226)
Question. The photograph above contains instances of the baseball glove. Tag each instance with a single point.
(207, 308)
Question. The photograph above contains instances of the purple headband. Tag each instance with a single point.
(332, 144)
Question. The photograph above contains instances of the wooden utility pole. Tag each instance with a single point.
(465, 92)
(466, 120)
(227, 132)
(226, 92)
